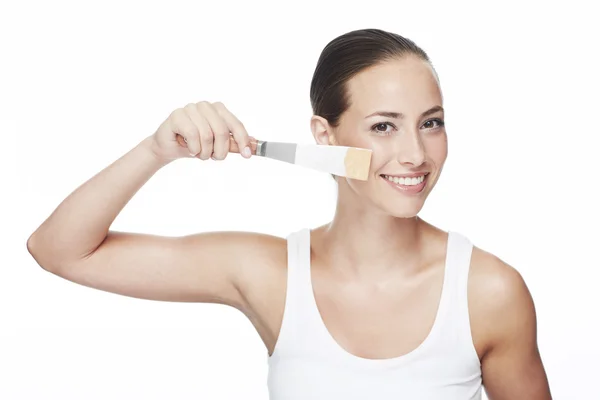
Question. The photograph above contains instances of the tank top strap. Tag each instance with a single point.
(296, 326)
(456, 323)
(299, 280)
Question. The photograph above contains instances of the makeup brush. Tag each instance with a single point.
(350, 162)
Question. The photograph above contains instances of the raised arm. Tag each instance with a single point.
(76, 242)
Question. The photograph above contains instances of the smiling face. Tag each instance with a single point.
(395, 110)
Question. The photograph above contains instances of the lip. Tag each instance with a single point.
(409, 190)
(411, 175)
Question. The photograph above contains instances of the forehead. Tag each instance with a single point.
(399, 85)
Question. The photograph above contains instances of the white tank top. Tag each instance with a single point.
(307, 362)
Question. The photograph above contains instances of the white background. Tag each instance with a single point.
(84, 82)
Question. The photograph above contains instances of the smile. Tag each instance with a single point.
(405, 184)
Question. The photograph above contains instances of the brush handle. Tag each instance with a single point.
(233, 146)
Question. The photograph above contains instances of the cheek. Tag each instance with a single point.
(353, 138)
(382, 154)
(437, 149)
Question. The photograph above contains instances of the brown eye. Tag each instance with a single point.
(431, 121)
(382, 128)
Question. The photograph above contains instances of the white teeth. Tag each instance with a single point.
(405, 181)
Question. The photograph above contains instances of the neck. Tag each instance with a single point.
(365, 241)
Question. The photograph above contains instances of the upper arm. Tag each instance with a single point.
(208, 267)
(505, 316)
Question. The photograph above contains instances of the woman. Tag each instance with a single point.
(376, 304)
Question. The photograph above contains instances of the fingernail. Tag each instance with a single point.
(247, 152)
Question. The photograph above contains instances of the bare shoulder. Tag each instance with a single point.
(263, 286)
(498, 297)
(494, 279)
(267, 256)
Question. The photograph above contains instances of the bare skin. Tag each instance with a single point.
(376, 265)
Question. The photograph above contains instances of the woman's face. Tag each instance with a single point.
(395, 110)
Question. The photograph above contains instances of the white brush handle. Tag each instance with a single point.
(322, 158)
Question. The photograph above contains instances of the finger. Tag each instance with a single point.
(183, 126)
(204, 131)
(181, 140)
(219, 129)
(237, 129)
(234, 148)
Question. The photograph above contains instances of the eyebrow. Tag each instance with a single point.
(397, 115)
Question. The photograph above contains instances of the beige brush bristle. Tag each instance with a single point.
(358, 163)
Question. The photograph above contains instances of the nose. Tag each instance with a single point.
(410, 149)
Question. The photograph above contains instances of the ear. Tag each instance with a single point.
(322, 131)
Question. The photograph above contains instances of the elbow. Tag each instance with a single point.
(31, 245)
(33, 249)
(36, 250)
(50, 254)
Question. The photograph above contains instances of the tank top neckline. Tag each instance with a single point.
(344, 355)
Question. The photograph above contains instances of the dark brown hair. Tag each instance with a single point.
(346, 56)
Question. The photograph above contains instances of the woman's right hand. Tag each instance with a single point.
(203, 130)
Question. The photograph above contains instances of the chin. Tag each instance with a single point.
(398, 211)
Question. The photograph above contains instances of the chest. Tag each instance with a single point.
(379, 320)
(375, 321)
